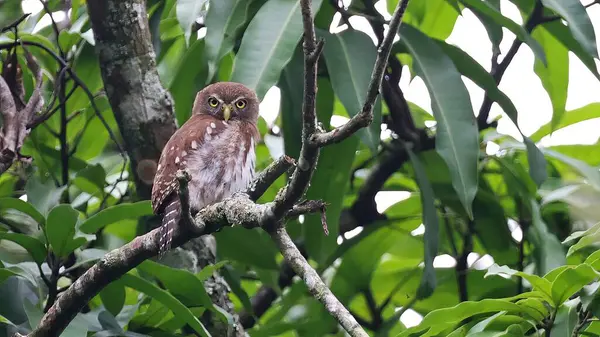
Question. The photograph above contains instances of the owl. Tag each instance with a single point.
(215, 146)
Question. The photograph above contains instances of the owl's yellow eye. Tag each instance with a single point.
(213, 102)
(240, 104)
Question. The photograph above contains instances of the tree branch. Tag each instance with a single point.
(365, 116)
(315, 285)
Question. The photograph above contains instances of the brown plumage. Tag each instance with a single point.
(215, 146)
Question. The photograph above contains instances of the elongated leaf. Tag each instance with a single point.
(565, 36)
(578, 20)
(166, 299)
(239, 244)
(432, 227)
(439, 320)
(591, 174)
(61, 230)
(435, 18)
(22, 206)
(570, 281)
(43, 195)
(493, 29)
(35, 247)
(484, 8)
(473, 70)
(113, 297)
(555, 73)
(566, 319)
(185, 286)
(223, 20)
(188, 80)
(549, 252)
(350, 57)
(268, 44)
(187, 13)
(538, 283)
(457, 135)
(116, 213)
(570, 117)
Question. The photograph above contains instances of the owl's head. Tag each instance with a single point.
(227, 101)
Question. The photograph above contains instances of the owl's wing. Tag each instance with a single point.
(191, 136)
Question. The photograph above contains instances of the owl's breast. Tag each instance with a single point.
(221, 166)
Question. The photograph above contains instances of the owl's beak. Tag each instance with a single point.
(226, 112)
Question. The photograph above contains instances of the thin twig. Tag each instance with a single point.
(365, 116)
(315, 285)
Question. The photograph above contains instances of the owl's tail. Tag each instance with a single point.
(170, 219)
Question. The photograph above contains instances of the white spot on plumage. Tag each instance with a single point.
(208, 130)
(225, 123)
(194, 144)
(213, 125)
(176, 160)
(172, 148)
(183, 154)
(207, 137)
(159, 167)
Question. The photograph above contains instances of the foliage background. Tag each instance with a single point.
(523, 205)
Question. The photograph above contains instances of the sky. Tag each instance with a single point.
(520, 83)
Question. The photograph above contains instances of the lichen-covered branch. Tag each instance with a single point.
(315, 285)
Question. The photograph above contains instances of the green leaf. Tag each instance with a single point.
(223, 20)
(43, 195)
(435, 18)
(571, 117)
(439, 320)
(35, 247)
(116, 213)
(268, 44)
(548, 251)
(291, 102)
(570, 281)
(538, 283)
(592, 174)
(61, 230)
(190, 78)
(555, 73)
(186, 287)
(473, 70)
(566, 319)
(187, 13)
(484, 8)
(113, 297)
(565, 36)
(350, 56)
(239, 244)
(22, 206)
(166, 299)
(329, 183)
(493, 29)
(5, 320)
(578, 21)
(457, 135)
(432, 227)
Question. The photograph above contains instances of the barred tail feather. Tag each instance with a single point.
(170, 219)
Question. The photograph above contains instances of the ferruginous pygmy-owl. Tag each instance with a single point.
(215, 146)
